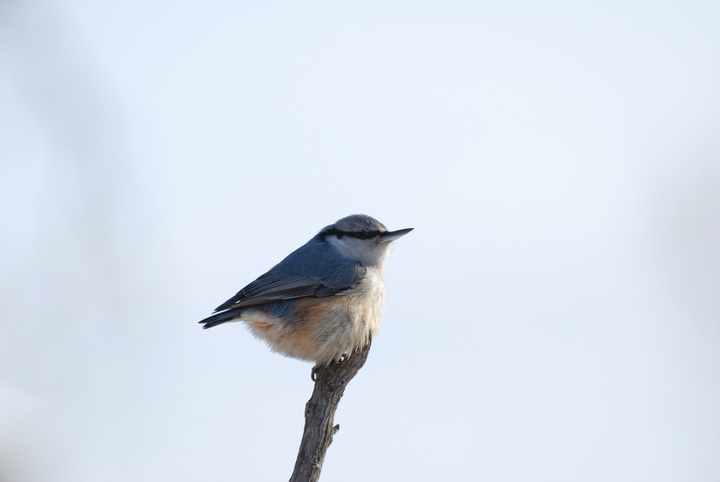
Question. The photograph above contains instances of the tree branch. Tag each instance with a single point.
(330, 383)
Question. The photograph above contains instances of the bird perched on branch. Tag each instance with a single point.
(324, 300)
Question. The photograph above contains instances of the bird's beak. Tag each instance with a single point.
(393, 235)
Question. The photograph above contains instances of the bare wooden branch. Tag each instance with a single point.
(330, 383)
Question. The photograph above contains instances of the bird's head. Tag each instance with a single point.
(362, 238)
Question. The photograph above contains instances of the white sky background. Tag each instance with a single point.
(555, 315)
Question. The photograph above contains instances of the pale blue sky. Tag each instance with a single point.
(555, 315)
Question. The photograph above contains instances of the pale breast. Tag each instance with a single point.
(324, 329)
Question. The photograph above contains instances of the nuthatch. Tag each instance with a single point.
(324, 300)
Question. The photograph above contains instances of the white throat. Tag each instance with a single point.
(366, 251)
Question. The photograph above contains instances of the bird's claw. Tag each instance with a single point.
(316, 368)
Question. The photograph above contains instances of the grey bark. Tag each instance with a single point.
(330, 383)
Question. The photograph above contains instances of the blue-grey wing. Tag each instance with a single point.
(315, 270)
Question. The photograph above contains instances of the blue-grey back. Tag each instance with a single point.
(316, 262)
(315, 270)
(318, 259)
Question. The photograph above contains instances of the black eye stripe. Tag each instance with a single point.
(351, 234)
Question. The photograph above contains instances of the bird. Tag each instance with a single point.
(325, 299)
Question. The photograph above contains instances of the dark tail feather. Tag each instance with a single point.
(219, 318)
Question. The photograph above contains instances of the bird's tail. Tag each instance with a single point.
(219, 318)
